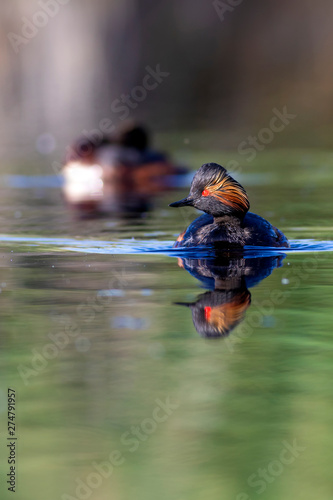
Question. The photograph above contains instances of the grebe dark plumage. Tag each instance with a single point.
(227, 222)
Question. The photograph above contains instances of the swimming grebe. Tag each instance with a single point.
(227, 222)
(118, 173)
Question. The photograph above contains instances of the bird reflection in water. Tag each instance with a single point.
(117, 174)
(218, 311)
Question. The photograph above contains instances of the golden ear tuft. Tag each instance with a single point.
(226, 316)
(230, 192)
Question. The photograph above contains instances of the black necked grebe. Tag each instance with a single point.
(227, 222)
(119, 173)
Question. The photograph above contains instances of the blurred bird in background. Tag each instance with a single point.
(118, 173)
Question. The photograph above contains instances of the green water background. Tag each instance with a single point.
(239, 400)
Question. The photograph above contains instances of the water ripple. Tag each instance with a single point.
(132, 246)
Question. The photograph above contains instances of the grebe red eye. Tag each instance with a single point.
(208, 311)
(205, 192)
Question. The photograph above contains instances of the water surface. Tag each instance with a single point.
(109, 367)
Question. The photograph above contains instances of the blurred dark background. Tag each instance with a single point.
(229, 64)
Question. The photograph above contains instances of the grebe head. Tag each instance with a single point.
(134, 136)
(215, 192)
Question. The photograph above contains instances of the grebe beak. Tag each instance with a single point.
(182, 203)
